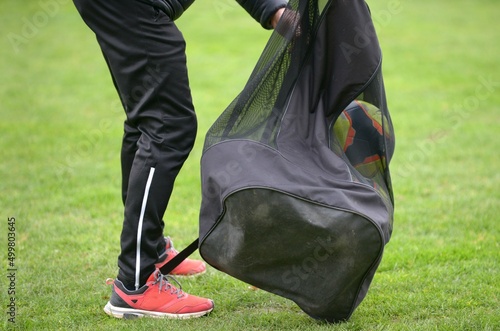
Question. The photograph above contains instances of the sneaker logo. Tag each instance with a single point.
(134, 301)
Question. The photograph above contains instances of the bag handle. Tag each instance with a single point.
(170, 265)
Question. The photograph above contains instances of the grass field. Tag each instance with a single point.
(59, 172)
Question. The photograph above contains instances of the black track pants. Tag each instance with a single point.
(145, 53)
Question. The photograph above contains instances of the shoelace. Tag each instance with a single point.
(165, 284)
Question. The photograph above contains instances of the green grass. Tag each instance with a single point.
(60, 138)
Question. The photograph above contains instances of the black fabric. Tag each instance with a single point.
(297, 196)
(262, 10)
(172, 8)
(145, 53)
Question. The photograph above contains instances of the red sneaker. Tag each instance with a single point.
(188, 267)
(157, 298)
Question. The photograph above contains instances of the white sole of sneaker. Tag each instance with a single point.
(130, 313)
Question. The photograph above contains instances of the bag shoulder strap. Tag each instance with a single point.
(170, 265)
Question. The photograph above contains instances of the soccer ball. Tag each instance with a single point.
(360, 133)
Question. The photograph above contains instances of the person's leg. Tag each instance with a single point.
(146, 56)
(129, 145)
